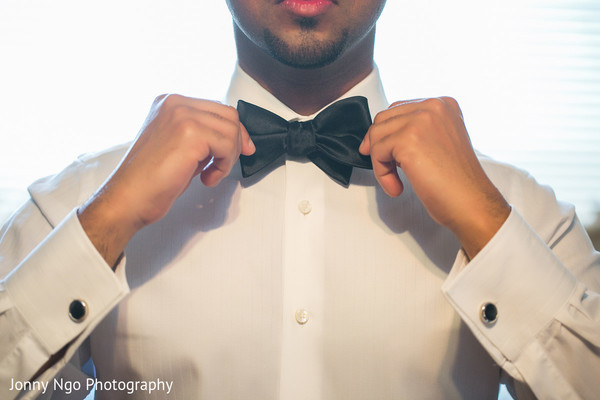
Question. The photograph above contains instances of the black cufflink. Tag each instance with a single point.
(78, 310)
(489, 313)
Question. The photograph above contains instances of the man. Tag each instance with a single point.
(433, 280)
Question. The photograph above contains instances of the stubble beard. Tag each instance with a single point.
(310, 53)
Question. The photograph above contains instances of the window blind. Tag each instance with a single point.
(526, 73)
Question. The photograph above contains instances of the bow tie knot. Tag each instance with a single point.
(300, 140)
(330, 140)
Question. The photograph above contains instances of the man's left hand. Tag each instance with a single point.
(427, 138)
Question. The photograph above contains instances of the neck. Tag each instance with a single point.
(306, 91)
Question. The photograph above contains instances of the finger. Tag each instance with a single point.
(216, 169)
(225, 151)
(380, 131)
(230, 116)
(213, 174)
(365, 145)
(159, 99)
(398, 108)
(437, 105)
(202, 165)
(219, 109)
(406, 102)
(385, 163)
(386, 174)
(248, 147)
(453, 105)
(213, 121)
(230, 126)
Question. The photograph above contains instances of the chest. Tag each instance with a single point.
(279, 291)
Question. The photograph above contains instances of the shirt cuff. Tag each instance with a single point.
(518, 274)
(64, 285)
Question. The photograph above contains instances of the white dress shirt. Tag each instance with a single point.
(287, 285)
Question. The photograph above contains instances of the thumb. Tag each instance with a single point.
(365, 145)
(248, 147)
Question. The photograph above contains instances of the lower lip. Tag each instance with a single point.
(307, 8)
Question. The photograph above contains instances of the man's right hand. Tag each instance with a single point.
(178, 140)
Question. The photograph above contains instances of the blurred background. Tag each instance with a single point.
(79, 76)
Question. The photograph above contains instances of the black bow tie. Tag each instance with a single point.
(331, 140)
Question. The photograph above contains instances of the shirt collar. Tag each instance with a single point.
(243, 87)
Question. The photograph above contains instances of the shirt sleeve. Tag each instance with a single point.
(52, 295)
(534, 305)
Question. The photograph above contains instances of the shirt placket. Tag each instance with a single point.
(303, 272)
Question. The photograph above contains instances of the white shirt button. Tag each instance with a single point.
(301, 316)
(304, 207)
